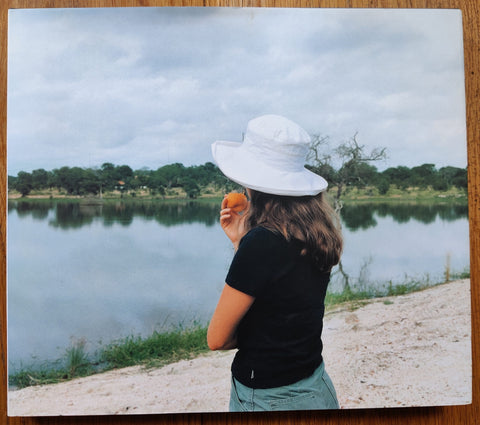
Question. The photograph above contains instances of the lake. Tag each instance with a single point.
(103, 272)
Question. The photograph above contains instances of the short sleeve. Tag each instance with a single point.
(261, 253)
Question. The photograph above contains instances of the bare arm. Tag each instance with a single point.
(231, 307)
(233, 304)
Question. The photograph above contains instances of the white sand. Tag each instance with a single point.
(414, 351)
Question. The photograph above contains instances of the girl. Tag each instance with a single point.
(286, 243)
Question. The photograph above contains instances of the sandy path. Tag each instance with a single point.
(412, 350)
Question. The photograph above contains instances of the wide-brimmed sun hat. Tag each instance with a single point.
(271, 158)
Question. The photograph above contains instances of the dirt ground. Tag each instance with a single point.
(410, 350)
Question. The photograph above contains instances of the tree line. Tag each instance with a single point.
(422, 176)
(194, 180)
(109, 177)
(355, 169)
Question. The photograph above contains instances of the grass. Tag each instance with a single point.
(360, 297)
(412, 194)
(75, 363)
(153, 351)
(116, 195)
(162, 348)
(157, 349)
(351, 194)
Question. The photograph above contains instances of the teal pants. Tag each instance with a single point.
(313, 393)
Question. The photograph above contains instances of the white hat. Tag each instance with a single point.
(271, 158)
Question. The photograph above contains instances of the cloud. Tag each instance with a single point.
(149, 87)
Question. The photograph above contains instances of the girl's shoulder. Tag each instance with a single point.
(262, 233)
(260, 236)
(268, 239)
(265, 239)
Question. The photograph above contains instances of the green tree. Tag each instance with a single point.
(383, 185)
(365, 174)
(107, 176)
(191, 188)
(24, 183)
(12, 182)
(70, 179)
(440, 184)
(157, 183)
(172, 174)
(89, 183)
(399, 176)
(423, 175)
(454, 176)
(124, 173)
(39, 179)
(142, 177)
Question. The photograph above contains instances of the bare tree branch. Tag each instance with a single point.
(352, 159)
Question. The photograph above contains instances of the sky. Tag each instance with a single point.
(148, 87)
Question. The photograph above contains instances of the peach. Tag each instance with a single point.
(236, 201)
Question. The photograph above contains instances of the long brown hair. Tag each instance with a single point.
(309, 219)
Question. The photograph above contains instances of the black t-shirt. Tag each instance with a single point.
(279, 338)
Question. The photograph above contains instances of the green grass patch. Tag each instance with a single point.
(348, 295)
(29, 377)
(465, 274)
(412, 194)
(157, 349)
(75, 363)
(153, 351)
(369, 292)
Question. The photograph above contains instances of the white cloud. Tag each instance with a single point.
(144, 86)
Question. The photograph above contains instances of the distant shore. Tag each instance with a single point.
(392, 352)
(354, 196)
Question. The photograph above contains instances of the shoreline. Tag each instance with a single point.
(413, 194)
(382, 354)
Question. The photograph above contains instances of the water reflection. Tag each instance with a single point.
(71, 215)
(362, 216)
(37, 210)
(74, 215)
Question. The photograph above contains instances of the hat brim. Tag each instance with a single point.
(247, 170)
